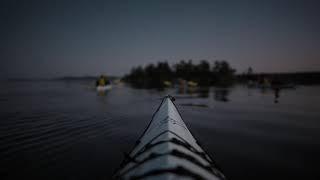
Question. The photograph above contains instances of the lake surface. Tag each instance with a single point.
(65, 130)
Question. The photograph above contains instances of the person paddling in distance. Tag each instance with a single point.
(102, 81)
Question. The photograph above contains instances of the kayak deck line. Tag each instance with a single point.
(167, 150)
(176, 142)
(178, 170)
(173, 152)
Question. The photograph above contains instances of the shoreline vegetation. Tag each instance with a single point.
(219, 73)
(161, 75)
(201, 74)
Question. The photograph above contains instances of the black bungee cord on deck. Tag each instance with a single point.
(179, 141)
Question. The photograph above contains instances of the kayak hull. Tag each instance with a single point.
(168, 150)
(104, 88)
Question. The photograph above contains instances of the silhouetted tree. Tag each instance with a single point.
(250, 71)
(153, 76)
(222, 74)
(202, 73)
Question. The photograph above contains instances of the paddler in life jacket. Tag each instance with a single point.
(102, 81)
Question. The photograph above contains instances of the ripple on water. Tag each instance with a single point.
(54, 138)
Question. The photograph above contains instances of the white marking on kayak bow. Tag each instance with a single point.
(168, 144)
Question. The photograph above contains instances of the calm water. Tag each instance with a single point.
(65, 130)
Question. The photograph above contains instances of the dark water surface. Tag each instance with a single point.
(65, 130)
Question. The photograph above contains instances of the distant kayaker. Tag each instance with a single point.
(102, 81)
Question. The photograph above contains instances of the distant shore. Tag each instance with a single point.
(208, 73)
(298, 78)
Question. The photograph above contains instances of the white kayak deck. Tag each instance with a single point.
(167, 150)
(104, 88)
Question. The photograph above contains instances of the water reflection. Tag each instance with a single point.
(221, 94)
(276, 94)
(204, 92)
(263, 90)
(193, 92)
(183, 88)
(101, 93)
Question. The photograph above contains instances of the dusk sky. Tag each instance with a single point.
(63, 38)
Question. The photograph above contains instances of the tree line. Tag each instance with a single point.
(220, 73)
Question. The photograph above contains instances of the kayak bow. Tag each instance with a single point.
(167, 150)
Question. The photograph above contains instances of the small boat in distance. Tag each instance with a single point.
(103, 84)
(104, 88)
(167, 150)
